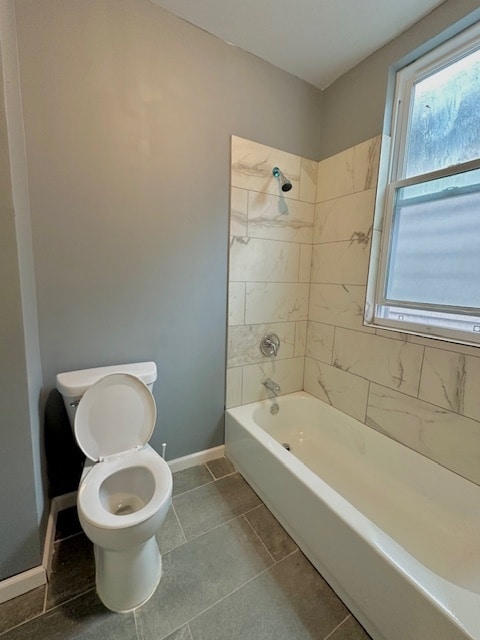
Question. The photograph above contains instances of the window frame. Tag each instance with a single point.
(466, 328)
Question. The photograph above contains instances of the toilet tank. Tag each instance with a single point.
(73, 384)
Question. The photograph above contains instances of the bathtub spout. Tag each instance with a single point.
(272, 386)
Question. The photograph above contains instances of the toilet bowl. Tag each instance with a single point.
(126, 487)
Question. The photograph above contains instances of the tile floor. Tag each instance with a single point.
(229, 572)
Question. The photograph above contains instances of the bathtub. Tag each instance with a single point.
(396, 535)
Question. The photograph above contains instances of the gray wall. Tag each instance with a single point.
(19, 525)
(128, 114)
(353, 106)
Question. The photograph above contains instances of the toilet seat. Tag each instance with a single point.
(115, 415)
(89, 500)
(113, 423)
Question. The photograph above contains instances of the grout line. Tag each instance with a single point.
(431, 404)
(205, 484)
(420, 376)
(307, 225)
(77, 595)
(230, 594)
(38, 615)
(367, 404)
(210, 472)
(299, 262)
(20, 624)
(136, 624)
(226, 475)
(221, 524)
(257, 506)
(257, 535)
(72, 535)
(180, 525)
(44, 608)
(236, 517)
(337, 627)
(239, 515)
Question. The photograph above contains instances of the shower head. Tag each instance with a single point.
(285, 183)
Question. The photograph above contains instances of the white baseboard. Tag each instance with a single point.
(21, 583)
(200, 457)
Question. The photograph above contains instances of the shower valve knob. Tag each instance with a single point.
(270, 344)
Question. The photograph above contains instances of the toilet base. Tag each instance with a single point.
(127, 579)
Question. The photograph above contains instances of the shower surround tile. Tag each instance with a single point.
(234, 387)
(286, 373)
(338, 388)
(270, 264)
(451, 380)
(300, 338)
(278, 218)
(338, 305)
(236, 303)
(244, 343)
(308, 180)
(344, 263)
(256, 260)
(350, 171)
(446, 437)
(444, 346)
(276, 302)
(320, 341)
(392, 363)
(345, 362)
(252, 165)
(305, 265)
(238, 211)
(346, 218)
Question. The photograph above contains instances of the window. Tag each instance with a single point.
(428, 276)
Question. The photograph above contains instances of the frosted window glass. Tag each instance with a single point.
(435, 245)
(444, 125)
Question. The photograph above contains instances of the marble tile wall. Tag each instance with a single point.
(271, 236)
(421, 392)
(299, 266)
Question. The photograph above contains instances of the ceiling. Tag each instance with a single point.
(316, 40)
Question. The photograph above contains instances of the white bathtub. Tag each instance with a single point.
(396, 535)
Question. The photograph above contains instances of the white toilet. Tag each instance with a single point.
(126, 486)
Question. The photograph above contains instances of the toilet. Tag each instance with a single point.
(125, 490)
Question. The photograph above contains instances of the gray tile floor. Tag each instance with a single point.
(230, 572)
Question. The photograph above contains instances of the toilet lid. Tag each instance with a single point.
(115, 414)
